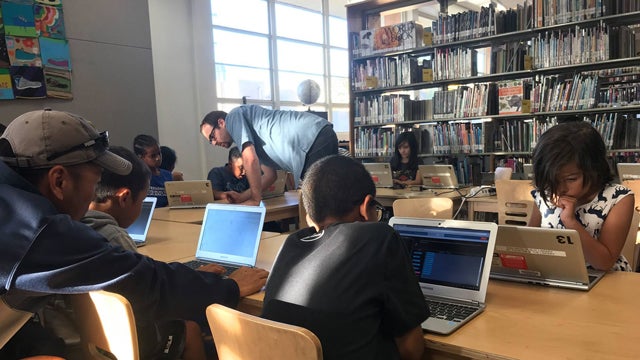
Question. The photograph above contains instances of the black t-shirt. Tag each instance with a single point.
(223, 180)
(351, 285)
(405, 172)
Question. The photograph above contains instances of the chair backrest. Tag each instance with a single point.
(11, 320)
(242, 336)
(431, 207)
(631, 248)
(105, 321)
(515, 204)
(628, 171)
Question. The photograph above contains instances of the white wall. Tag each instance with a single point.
(183, 73)
(112, 76)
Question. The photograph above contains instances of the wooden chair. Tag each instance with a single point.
(515, 204)
(105, 321)
(631, 248)
(434, 207)
(240, 336)
(11, 320)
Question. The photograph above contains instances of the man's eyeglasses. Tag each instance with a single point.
(100, 144)
(212, 135)
(380, 210)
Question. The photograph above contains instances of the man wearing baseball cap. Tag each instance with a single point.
(50, 162)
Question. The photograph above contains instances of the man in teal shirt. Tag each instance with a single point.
(276, 139)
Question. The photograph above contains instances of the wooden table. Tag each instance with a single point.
(175, 241)
(278, 208)
(535, 322)
(481, 204)
(386, 197)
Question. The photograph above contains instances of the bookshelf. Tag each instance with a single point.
(538, 65)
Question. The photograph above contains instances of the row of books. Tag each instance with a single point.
(465, 25)
(618, 130)
(373, 142)
(394, 108)
(509, 57)
(385, 72)
(571, 46)
(403, 36)
(455, 63)
(465, 101)
(553, 93)
(554, 12)
(627, 94)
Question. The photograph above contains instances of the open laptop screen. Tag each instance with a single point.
(230, 233)
(138, 230)
(446, 256)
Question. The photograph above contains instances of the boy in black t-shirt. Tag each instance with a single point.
(348, 279)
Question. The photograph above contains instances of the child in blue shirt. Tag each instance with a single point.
(148, 149)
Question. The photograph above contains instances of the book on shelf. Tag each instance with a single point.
(511, 97)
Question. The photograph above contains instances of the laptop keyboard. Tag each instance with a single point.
(448, 311)
(195, 264)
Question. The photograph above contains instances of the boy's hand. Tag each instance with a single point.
(250, 280)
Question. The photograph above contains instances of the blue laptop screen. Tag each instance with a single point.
(231, 232)
(140, 225)
(446, 256)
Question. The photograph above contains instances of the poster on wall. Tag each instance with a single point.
(35, 60)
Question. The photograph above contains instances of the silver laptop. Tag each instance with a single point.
(438, 176)
(452, 259)
(542, 256)
(189, 193)
(229, 236)
(380, 173)
(628, 171)
(277, 188)
(528, 171)
(140, 228)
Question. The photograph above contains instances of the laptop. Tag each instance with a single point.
(189, 193)
(451, 259)
(277, 188)
(381, 174)
(229, 236)
(628, 171)
(528, 171)
(438, 177)
(542, 256)
(139, 229)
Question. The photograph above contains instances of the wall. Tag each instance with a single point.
(183, 73)
(112, 69)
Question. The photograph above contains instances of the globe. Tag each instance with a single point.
(308, 92)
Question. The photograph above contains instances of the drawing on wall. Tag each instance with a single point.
(48, 21)
(28, 82)
(35, 60)
(18, 19)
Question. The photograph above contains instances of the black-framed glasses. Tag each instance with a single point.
(212, 135)
(101, 143)
(380, 210)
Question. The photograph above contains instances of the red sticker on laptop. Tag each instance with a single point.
(186, 198)
(435, 179)
(375, 179)
(513, 261)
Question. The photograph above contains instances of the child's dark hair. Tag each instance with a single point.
(142, 142)
(212, 118)
(169, 158)
(566, 143)
(234, 153)
(409, 138)
(333, 186)
(137, 180)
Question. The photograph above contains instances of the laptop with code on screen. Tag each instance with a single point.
(542, 256)
(229, 236)
(189, 193)
(140, 228)
(451, 259)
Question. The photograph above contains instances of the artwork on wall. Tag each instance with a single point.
(34, 54)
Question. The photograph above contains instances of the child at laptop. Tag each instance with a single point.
(148, 149)
(117, 204)
(230, 177)
(405, 161)
(347, 278)
(574, 191)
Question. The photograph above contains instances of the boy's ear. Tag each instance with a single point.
(365, 206)
(123, 195)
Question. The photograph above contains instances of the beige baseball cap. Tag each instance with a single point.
(44, 138)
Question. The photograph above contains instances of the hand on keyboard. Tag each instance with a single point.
(250, 280)
(213, 268)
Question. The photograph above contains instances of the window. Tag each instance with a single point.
(266, 63)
